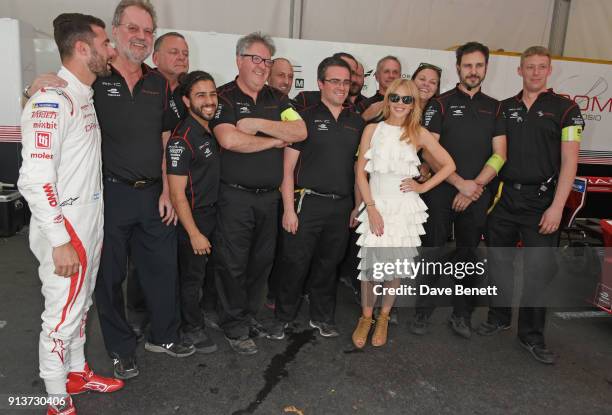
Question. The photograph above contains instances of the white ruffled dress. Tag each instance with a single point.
(389, 161)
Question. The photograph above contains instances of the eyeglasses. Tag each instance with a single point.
(134, 29)
(406, 99)
(424, 65)
(256, 59)
(338, 82)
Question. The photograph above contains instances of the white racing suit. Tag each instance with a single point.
(61, 179)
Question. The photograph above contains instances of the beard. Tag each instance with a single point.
(472, 82)
(200, 113)
(134, 55)
(355, 89)
(98, 65)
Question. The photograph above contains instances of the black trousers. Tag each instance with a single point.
(192, 269)
(132, 224)
(245, 240)
(276, 273)
(515, 218)
(469, 228)
(314, 252)
(138, 315)
(350, 262)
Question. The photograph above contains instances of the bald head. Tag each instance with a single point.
(281, 75)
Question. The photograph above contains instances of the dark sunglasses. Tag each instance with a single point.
(424, 65)
(406, 99)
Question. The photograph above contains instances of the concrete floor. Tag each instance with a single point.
(306, 374)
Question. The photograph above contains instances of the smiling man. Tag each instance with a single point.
(253, 123)
(317, 203)
(60, 178)
(281, 75)
(193, 167)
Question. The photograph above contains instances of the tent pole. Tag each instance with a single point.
(558, 27)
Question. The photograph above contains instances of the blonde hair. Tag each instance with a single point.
(535, 51)
(412, 123)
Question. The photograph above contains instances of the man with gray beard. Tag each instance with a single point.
(133, 111)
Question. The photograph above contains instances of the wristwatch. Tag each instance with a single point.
(25, 92)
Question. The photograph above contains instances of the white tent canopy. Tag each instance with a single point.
(432, 24)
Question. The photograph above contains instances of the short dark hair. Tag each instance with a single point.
(331, 61)
(188, 80)
(341, 55)
(471, 47)
(160, 40)
(69, 28)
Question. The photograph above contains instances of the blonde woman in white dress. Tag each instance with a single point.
(393, 215)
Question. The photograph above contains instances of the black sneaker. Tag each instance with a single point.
(325, 329)
(171, 349)
(460, 326)
(277, 330)
(124, 367)
(245, 346)
(538, 351)
(420, 325)
(200, 340)
(256, 329)
(490, 328)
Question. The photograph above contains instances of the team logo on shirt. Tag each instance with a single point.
(175, 152)
(322, 125)
(45, 105)
(457, 113)
(113, 92)
(206, 150)
(244, 110)
(42, 140)
(515, 116)
(69, 201)
(219, 108)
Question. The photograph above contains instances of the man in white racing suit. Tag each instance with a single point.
(62, 181)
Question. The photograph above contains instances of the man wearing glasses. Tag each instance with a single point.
(253, 123)
(307, 99)
(317, 202)
(133, 111)
(470, 127)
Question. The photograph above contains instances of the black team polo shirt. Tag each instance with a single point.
(327, 156)
(193, 151)
(466, 127)
(535, 136)
(263, 169)
(132, 124)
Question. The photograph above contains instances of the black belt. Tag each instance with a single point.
(521, 186)
(304, 192)
(540, 187)
(136, 184)
(255, 190)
